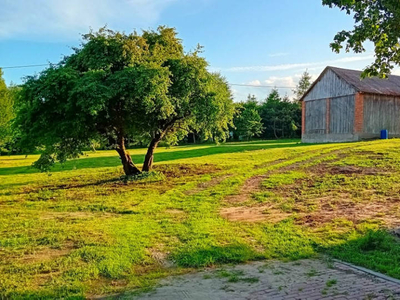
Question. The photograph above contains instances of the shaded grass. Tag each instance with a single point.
(377, 250)
(214, 255)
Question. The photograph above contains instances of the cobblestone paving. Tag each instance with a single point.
(306, 279)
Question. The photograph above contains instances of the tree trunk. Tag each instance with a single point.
(129, 167)
(276, 136)
(148, 160)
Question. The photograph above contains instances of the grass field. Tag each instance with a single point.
(83, 231)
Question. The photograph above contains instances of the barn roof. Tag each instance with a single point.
(374, 85)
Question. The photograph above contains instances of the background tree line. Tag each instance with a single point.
(8, 135)
(274, 117)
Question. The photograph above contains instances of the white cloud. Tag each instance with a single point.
(284, 84)
(288, 81)
(255, 82)
(294, 66)
(280, 82)
(266, 68)
(61, 19)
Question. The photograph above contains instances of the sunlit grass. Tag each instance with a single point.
(84, 230)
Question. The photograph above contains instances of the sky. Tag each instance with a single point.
(255, 42)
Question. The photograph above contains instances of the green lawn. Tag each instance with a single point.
(83, 231)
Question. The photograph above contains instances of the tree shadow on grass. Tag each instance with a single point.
(56, 187)
(378, 250)
(114, 182)
(113, 161)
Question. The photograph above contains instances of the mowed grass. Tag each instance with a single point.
(83, 231)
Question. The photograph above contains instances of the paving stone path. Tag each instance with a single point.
(305, 279)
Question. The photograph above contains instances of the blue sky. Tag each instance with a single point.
(259, 42)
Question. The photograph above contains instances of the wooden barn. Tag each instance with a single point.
(340, 107)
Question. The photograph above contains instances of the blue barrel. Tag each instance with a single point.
(384, 134)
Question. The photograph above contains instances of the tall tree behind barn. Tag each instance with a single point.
(340, 107)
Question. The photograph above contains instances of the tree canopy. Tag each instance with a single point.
(6, 113)
(247, 120)
(117, 86)
(273, 117)
(377, 21)
(303, 86)
(280, 116)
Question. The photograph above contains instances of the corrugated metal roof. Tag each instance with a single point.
(389, 86)
(373, 85)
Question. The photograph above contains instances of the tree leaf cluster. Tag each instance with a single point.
(7, 113)
(377, 21)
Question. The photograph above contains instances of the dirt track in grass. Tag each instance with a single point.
(322, 207)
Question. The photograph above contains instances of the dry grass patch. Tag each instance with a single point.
(184, 170)
(47, 254)
(50, 215)
(254, 214)
(202, 186)
(384, 212)
(250, 186)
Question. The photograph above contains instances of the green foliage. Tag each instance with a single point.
(236, 276)
(152, 176)
(303, 86)
(282, 179)
(377, 250)
(44, 163)
(281, 117)
(247, 120)
(7, 114)
(331, 282)
(375, 21)
(287, 241)
(118, 86)
(275, 117)
(212, 255)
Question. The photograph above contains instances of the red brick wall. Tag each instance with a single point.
(328, 114)
(303, 117)
(359, 113)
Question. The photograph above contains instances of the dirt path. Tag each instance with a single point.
(253, 184)
(305, 279)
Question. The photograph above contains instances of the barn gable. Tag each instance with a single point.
(329, 85)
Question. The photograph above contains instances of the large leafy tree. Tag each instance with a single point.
(247, 120)
(377, 21)
(6, 113)
(119, 86)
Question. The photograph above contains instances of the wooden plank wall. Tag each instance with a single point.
(341, 114)
(330, 86)
(381, 112)
(315, 117)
